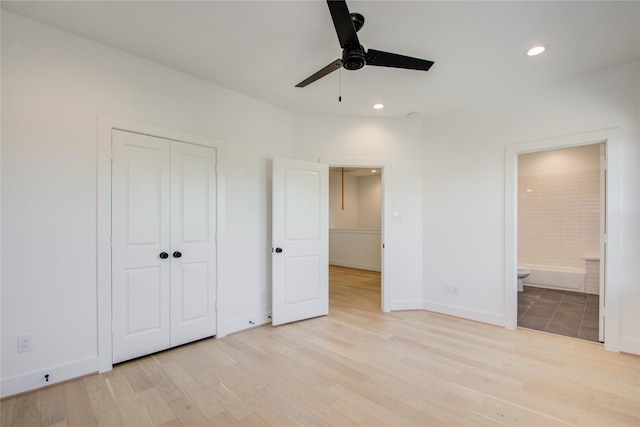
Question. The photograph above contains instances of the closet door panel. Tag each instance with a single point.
(193, 237)
(140, 232)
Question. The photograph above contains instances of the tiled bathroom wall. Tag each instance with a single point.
(559, 207)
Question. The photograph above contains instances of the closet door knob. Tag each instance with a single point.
(164, 255)
(177, 254)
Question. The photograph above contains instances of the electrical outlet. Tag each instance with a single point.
(24, 343)
(451, 289)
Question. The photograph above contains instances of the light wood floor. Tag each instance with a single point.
(357, 366)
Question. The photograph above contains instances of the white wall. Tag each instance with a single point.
(349, 216)
(54, 85)
(396, 141)
(370, 199)
(355, 248)
(354, 237)
(362, 201)
(464, 192)
(559, 207)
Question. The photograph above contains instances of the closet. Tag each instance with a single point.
(163, 243)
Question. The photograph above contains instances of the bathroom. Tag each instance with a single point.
(560, 224)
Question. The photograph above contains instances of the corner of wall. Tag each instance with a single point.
(244, 323)
(465, 313)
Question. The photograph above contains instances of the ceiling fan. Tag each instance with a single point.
(354, 55)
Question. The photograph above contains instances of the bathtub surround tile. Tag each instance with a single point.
(558, 211)
(560, 312)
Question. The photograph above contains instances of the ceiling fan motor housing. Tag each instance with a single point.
(353, 57)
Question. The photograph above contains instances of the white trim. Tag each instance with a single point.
(399, 305)
(611, 138)
(103, 238)
(244, 323)
(629, 346)
(36, 379)
(465, 313)
(386, 236)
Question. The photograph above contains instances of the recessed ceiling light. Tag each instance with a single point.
(373, 171)
(378, 106)
(536, 50)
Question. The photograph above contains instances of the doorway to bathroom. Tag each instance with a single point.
(355, 234)
(560, 252)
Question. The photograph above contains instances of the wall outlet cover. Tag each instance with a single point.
(24, 343)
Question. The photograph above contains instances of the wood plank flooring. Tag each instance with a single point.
(357, 366)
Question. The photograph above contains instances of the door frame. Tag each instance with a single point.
(387, 215)
(610, 251)
(106, 124)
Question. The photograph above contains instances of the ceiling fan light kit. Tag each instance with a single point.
(354, 56)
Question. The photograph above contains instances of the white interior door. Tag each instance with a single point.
(193, 243)
(300, 253)
(140, 233)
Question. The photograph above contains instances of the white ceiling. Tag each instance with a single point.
(264, 48)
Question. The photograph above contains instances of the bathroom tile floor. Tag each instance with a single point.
(566, 313)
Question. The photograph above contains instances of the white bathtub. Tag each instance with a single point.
(554, 277)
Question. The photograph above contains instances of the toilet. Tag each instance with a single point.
(522, 273)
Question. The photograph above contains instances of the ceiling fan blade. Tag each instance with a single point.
(342, 21)
(386, 59)
(320, 74)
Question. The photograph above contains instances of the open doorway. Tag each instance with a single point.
(356, 235)
(561, 229)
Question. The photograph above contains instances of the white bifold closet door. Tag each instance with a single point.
(163, 244)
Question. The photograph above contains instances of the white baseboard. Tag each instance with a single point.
(628, 346)
(478, 316)
(400, 305)
(34, 380)
(348, 264)
(246, 323)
